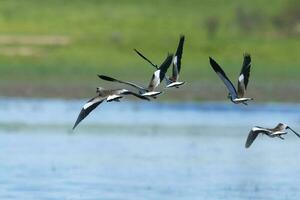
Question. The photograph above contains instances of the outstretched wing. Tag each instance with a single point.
(87, 108)
(165, 66)
(107, 78)
(177, 58)
(140, 54)
(251, 137)
(244, 75)
(223, 77)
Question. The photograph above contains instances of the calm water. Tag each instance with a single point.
(145, 151)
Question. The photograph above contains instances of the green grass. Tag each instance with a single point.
(102, 35)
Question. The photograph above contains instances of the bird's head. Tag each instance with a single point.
(99, 89)
(283, 125)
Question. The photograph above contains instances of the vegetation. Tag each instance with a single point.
(55, 48)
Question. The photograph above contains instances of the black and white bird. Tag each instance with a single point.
(156, 79)
(235, 96)
(104, 95)
(173, 80)
(278, 131)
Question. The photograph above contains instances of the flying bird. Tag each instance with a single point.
(103, 95)
(278, 131)
(156, 79)
(173, 80)
(235, 96)
(176, 62)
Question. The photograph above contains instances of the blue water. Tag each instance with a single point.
(134, 150)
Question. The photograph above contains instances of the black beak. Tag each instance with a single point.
(293, 131)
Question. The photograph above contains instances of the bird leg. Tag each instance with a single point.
(280, 137)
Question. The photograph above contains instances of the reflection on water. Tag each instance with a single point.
(145, 151)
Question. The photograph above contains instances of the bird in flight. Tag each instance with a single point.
(278, 131)
(103, 95)
(157, 77)
(235, 96)
(176, 62)
(173, 81)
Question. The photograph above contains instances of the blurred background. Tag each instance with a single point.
(187, 144)
(56, 48)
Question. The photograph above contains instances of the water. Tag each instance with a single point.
(146, 151)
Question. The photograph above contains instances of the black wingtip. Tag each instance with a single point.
(75, 125)
(100, 76)
(137, 51)
(170, 54)
(181, 37)
(212, 62)
(247, 56)
(106, 78)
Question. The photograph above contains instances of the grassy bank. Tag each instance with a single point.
(56, 48)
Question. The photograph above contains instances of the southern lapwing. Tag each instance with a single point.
(171, 81)
(103, 94)
(156, 79)
(235, 96)
(278, 131)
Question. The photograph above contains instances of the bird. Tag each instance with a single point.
(235, 96)
(173, 80)
(278, 131)
(176, 62)
(157, 77)
(103, 94)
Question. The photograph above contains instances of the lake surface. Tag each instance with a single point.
(136, 150)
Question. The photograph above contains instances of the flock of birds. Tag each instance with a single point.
(159, 75)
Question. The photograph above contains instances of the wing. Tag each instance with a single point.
(244, 75)
(87, 108)
(160, 74)
(165, 66)
(154, 82)
(251, 137)
(140, 54)
(254, 133)
(177, 57)
(107, 78)
(136, 95)
(223, 77)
